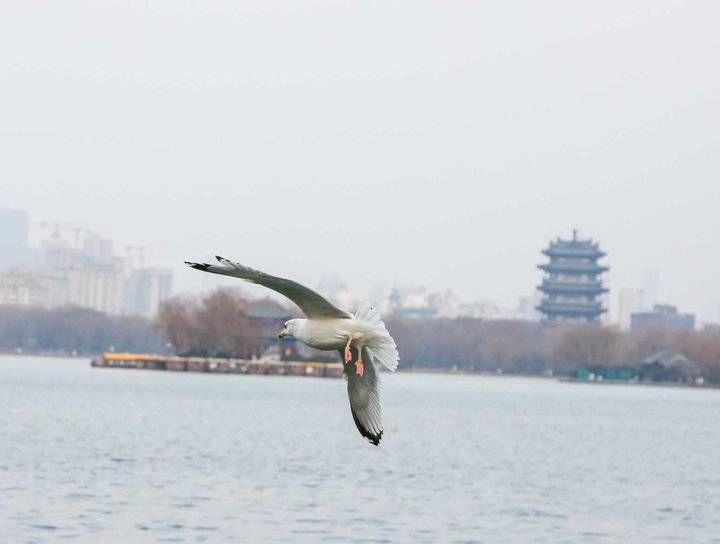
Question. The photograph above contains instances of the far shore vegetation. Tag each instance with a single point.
(226, 323)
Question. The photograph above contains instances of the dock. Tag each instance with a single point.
(214, 365)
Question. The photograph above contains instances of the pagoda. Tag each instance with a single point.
(572, 285)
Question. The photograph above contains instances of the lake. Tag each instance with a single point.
(133, 456)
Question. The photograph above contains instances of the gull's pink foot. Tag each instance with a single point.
(359, 366)
(348, 353)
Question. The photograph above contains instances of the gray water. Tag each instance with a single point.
(105, 455)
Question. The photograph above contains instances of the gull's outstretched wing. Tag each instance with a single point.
(311, 303)
(364, 393)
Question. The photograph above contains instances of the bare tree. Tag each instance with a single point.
(215, 325)
(576, 346)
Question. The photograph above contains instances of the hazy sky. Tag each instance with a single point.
(435, 143)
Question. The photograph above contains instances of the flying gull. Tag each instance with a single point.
(361, 339)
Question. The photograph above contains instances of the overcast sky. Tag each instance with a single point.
(426, 143)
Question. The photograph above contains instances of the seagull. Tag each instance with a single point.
(361, 338)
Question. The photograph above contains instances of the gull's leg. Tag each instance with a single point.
(359, 366)
(348, 353)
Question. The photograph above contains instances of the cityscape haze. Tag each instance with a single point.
(74, 265)
(445, 159)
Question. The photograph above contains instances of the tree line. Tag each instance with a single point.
(534, 347)
(71, 330)
(221, 324)
(218, 324)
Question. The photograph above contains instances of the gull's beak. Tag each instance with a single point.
(283, 333)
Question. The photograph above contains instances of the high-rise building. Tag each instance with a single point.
(572, 284)
(527, 307)
(145, 289)
(21, 289)
(83, 272)
(100, 249)
(99, 287)
(32, 287)
(14, 250)
(630, 301)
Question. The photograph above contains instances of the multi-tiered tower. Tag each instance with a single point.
(572, 285)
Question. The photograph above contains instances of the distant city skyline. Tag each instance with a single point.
(76, 266)
(417, 299)
(308, 140)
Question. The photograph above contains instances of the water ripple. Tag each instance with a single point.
(131, 457)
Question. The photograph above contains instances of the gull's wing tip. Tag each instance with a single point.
(198, 266)
(373, 438)
(228, 263)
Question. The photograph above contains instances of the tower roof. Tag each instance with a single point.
(552, 308)
(572, 288)
(570, 267)
(575, 247)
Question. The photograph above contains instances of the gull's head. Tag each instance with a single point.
(289, 328)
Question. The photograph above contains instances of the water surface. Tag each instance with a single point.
(132, 456)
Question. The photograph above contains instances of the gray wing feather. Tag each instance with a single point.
(311, 303)
(364, 394)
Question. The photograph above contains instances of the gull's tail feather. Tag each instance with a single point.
(382, 346)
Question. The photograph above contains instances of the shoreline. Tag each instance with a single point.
(405, 370)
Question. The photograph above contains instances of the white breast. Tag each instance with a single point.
(328, 334)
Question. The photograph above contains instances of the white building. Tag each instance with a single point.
(527, 307)
(86, 274)
(337, 292)
(630, 300)
(20, 288)
(145, 289)
(99, 287)
(417, 302)
(101, 249)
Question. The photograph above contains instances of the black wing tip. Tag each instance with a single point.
(372, 437)
(198, 266)
(226, 262)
